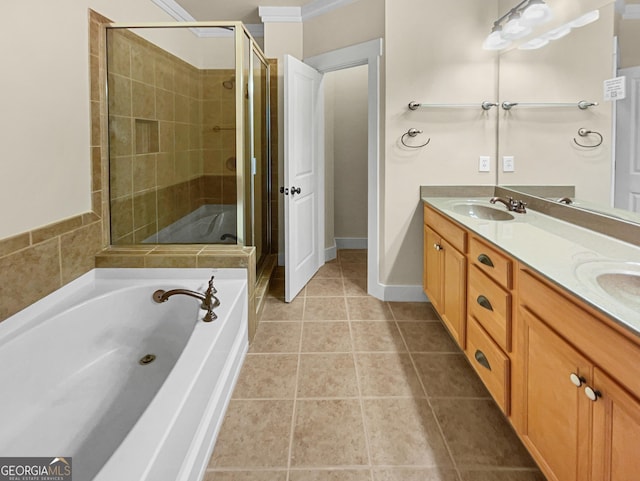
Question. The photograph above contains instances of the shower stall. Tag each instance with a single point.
(189, 135)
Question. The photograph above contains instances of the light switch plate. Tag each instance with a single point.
(484, 164)
(508, 163)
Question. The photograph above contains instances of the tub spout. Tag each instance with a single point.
(208, 299)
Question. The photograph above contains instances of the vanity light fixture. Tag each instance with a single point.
(518, 23)
(560, 31)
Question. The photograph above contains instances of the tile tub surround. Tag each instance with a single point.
(351, 396)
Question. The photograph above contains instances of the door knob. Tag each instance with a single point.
(295, 190)
(284, 190)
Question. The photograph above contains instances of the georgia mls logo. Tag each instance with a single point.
(35, 469)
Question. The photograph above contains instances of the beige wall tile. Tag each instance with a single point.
(78, 249)
(144, 172)
(119, 95)
(120, 136)
(142, 65)
(28, 275)
(47, 232)
(114, 260)
(13, 244)
(143, 100)
(170, 261)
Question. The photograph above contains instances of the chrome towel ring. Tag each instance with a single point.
(584, 133)
(412, 133)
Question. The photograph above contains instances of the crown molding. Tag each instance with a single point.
(316, 8)
(175, 11)
(280, 14)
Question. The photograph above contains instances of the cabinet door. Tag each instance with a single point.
(432, 269)
(616, 431)
(454, 291)
(556, 412)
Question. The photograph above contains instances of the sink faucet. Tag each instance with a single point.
(511, 204)
(209, 300)
(565, 200)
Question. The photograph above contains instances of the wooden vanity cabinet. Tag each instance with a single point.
(578, 382)
(445, 271)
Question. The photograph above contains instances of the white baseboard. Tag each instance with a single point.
(402, 293)
(351, 242)
(330, 253)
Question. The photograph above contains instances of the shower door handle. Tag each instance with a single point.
(295, 190)
(284, 190)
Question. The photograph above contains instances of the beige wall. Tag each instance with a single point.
(45, 123)
(629, 37)
(541, 139)
(433, 54)
(354, 23)
(350, 152)
(329, 83)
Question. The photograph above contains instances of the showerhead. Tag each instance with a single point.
(229, 84)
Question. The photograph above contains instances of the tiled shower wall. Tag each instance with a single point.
(172, 137)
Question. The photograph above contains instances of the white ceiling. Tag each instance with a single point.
(245, 11)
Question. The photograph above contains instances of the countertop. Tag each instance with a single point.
(568, 255)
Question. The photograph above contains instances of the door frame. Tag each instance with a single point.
(366, 53)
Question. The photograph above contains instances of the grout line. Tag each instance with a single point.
(295, 398)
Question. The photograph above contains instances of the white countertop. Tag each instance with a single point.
(566, 254)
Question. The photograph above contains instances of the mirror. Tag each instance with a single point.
(552, 140)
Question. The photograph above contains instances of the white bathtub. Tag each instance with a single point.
(208, 224)
(72, 384)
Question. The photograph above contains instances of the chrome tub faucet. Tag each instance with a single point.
(208, 299)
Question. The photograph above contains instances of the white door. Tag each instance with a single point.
(303, 175)
(627, 175)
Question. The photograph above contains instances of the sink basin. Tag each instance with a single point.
(479, 211)
(619, 281)
(623, 287)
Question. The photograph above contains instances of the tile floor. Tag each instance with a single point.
(339, 386)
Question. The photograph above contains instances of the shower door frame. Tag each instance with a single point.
(244, 205)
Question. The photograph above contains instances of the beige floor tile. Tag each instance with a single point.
(324, 288)
(277, 337)
(504, 475)
(254, 434)
(387, 374)
(326, 337)
(353, 269)
(413, 311)
(414, 474)
(325, 309)
(329, 270)
(278, 310)
(368, 309)
(427, 337)
(245, 476)
(328, 433)
(448, 375)
(327, 375)
(352, 255)
(265, 376)
(376, 336)
(403, 432)
(478, 435)
(355, 287)
(330, 475)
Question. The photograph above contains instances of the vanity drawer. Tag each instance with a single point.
(492, 262)
(491, 364)
(454, 234)
(490, 304)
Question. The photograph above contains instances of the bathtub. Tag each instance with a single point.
(208, 224)
(72, 384)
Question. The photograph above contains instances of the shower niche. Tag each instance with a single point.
(189, 135)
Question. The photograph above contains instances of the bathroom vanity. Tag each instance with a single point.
(546, 313)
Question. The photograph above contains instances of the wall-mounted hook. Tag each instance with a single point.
(583, 133)
(412, 133)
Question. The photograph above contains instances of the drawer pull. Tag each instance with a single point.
(485, 259)
(592, 393)
(437, 247)
(482, 359)
(484, 302)
(576, 380)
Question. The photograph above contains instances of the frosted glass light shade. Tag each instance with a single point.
(495, 41)
(558, 33)
(586, 19)
(534, 44)
(536, 13)
(514, 29)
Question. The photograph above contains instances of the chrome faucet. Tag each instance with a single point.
(511, 204)
(565, 200)
(209, 300)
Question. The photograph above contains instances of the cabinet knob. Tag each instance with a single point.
(576, 380)
(437, 247)
(592, 393)
(482, 359)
